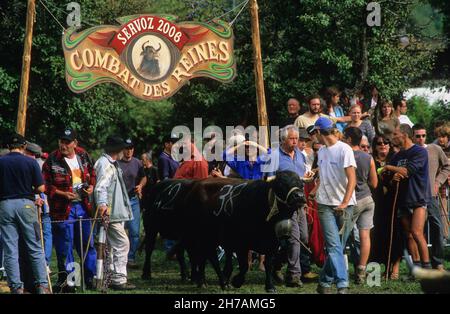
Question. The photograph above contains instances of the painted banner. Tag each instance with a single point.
(150, 56)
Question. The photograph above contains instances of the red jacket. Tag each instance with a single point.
(196, 168)
(57, 175)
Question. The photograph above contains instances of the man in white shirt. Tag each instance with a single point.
(400, 107)
(335, 198)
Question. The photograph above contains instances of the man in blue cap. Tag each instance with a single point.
(20, 179)
(335, 199)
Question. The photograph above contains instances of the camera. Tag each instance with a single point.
(81, 188)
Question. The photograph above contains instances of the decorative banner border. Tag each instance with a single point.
(148, 55)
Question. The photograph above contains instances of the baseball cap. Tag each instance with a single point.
(323, 124)
(129, 143)
(68, 134)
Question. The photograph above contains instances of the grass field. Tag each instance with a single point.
(166, 280)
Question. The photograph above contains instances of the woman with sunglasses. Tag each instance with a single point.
(382, 153)
(385, 120)
(364, 125)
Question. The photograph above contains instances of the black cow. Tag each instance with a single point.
(243, 215)
(150, 63)
(165, 215)
(173, 218)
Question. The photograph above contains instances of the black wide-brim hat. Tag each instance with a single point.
(114, 143)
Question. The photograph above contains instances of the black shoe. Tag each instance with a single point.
(323, 290)
(123, 287)
(342, 291)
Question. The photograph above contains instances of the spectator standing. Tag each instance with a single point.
(335, 198)
(401, 107)
(112, 200)
(439, 170)
(364, 125)
(69, 179)
(20, 179)
(366, 178)
(135, 180)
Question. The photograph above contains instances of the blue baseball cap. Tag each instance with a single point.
(323, 124)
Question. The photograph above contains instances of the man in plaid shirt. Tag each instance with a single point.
(69, 180)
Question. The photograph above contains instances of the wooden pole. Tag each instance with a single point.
(26, 61)
(259, 76)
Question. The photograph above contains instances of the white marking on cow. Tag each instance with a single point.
(227, 195)
(167, 197)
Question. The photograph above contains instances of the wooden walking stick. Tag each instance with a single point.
(43, 250)
(394, 205)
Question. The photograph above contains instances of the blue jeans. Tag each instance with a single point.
(48, 239)
(133, 227)
(334, 270)
(66, 235)
(20, 215)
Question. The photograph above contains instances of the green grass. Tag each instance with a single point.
(166, 280)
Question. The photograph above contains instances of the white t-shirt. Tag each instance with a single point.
(76, 172)
(405, 120)
(332, 162)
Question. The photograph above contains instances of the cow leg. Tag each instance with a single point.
(212, 257)
(201, 282)
(228, 268)
(181, 261)
(150, 239)
(268, 264)
(239, 279)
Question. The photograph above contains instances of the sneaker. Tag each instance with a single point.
(294, 282)
(360, 275)
(323, 290)
(309, 277)
(42, 290)
(342, 291)
(123, 287)
(278, 277)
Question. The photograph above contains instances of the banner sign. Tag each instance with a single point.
(150, 56)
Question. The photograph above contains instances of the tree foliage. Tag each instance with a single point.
(306, 45)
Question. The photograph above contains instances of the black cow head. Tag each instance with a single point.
(288, 193)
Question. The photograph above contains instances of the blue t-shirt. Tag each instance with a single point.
(167, 166)
(415, 191)
(19, 176)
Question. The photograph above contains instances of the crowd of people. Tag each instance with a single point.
(370, 178)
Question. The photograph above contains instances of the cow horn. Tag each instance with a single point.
(159, 48)
(143, 45)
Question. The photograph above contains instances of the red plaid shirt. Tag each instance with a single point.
(57, 175)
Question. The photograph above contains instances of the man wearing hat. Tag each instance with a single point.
(167, 167)
(69, 180)
(112, 199)
(33, 150)
(135, 180)
(20, 179)
(335, 199)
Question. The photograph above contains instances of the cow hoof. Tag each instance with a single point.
(237, 282)
(271, 290)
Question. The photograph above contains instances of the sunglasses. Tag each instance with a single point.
(383, 143)
(421, 135)
(365, 146)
